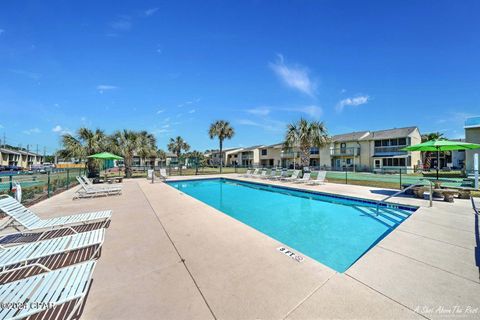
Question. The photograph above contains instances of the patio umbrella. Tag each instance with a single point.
(105, 156)
(442, 145)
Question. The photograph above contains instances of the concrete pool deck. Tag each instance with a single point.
(170, 256)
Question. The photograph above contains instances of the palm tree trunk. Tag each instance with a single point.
(305, 156)
(128, 167)
(221, 155)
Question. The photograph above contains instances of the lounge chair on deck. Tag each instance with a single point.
(293, 177)
(45, 291)
(283, 174)
(89, 183)
(262, 174)
(21, 255)
(163, 174)
(304, 179)
(320, 179)
(20, 215)
(246, 174)
(272, 174)
(88, 192)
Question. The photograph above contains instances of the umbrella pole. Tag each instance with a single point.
(438, 160)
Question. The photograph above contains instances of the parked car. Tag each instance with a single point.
(13, 168)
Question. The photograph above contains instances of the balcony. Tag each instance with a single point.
(350, 151)
(389, 150)
(288, 155)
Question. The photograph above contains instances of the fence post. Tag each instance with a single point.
(48, 184)
(10, 179)
(346, 176)
(68, 179)
(400, 178)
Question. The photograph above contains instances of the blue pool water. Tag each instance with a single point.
(335, 231)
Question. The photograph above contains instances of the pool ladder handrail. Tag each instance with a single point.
(407, 188)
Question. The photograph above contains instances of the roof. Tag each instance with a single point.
(352, 136)
(374, 135)
(392, 133)
(473, 122)
(277, 145)
(9, 151)
(252, 148)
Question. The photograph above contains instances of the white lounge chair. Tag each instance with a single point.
(39, 293)
(254, 173)
(262, 174)
(89, 183)
(293, 177)
(246, 174)
(304, 179)
(320, 179)
(88, 192)
(283, 174)
(20, 215)
(163, 174)
(21, 255)
(271, 175)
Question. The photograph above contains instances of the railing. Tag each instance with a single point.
(408, 188)
(350, 151)
(390, 150)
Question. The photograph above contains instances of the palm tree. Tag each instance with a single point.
(428, 154)
(222, 130)
(126, 143)
(305, 135)
(147, 146)
(178, 145)
(199, 159)
(85, 143)
(161, 155)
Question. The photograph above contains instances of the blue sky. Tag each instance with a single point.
(174, 67)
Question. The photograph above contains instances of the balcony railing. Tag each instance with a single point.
(350, 151)
(289, 154)
(389, 150)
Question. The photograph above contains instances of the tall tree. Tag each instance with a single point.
(126, 143)
(304, 135)
(428, 154)
(222, 130)
(162, 156)
(178, 145)
(83, 144)
(147, 146)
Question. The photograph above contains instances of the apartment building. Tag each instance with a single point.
(367, 150)
(19, 158)
(363, 150)
(472, 135)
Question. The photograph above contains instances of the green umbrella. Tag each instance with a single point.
(105, 156)
(442, 145)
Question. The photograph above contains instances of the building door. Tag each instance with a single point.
(378, 164)
(338, 163)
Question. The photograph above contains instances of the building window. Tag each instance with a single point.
(264, 152)
(314, 151)
(402, 142)
(378, 143)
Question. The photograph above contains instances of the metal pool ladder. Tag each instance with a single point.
(402, 191)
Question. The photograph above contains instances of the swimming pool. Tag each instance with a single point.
(334, 230)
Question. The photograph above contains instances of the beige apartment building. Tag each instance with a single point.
(472, 135)
(19, 158)
(364, 150)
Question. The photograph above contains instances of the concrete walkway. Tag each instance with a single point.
(169, 256)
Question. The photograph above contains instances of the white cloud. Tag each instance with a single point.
(266, 124)
(60, 130)
(57, 128)
(312, 111)
(160, 111)
(123, 23)
(105, 87)
(296, 77)
(260, 111)
(28, 74)
(31, 131)
(191, 111)
(354, 102)
(151, 11)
